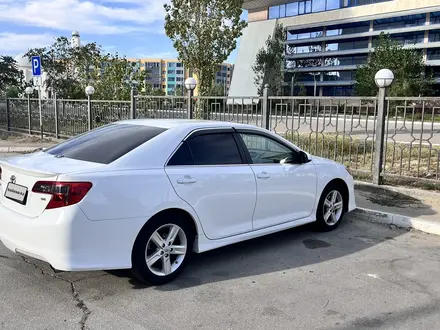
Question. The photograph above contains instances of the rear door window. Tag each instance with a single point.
(214, 149)
(106, 144)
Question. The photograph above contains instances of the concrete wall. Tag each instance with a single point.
(254, 37)
(255, 15)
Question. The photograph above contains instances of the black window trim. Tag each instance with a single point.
(260, 133)
(244, 154)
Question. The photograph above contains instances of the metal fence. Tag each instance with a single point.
(342, 129)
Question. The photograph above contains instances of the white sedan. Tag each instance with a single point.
(146, 194)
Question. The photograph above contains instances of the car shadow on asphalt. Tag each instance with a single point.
(279, 252)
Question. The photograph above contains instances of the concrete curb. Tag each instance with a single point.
(397, 220)
(19, 149)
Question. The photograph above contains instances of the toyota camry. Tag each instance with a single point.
(147, 194)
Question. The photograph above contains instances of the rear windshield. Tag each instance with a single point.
(105, 144)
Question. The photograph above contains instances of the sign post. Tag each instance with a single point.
(36, 72)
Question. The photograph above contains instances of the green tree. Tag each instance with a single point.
(204, 33)
(113, 80)
(69, 69)
(11, 78)
(269, 63)
(217, 90)
(150, 91)
(407, 65)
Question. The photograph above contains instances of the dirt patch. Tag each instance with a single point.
(388, 198)
(20, 138)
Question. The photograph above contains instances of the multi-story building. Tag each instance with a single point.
(170, 74)
(328, 39)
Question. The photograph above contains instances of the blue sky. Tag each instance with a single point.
(134, 28)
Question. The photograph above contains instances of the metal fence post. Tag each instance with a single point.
(89, 112)
(8, 117)
(29, 115)
(266, 112)
(56, 114)
(379, 137)
(133, 103)
(190, 108)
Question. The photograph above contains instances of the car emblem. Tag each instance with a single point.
(13, 179)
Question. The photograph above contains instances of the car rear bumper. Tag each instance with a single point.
(68, 241)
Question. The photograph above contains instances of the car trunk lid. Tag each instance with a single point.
(19, 175)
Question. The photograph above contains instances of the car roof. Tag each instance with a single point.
(184, 123)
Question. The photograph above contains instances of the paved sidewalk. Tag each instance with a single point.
(414, 203)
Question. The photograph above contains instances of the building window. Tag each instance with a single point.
(179, 65)
(434, 36)
(347, 45)
(411, 38)
(179, 79)
(171, 79)
(435, 18)
(338, 75)
(179, 71)
(399, 22)
(305, 34)
(344, 29)
(274, 12)
(314, 6)
(346, 60)
(171, 71)
(163, 86)
(163, 79)
(337, 91)
(164, 72)
(434, 54)
(171, 65)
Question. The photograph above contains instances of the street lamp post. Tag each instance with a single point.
(134, 85)
(190, 84)
(384, 78)
(89, 91)
(29, 91)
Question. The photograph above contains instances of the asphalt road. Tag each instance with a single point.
(360, 276)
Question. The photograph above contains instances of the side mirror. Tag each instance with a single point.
(296, 158)
(303, 157)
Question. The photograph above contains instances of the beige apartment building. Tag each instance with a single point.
(334, 37)
(170, 74)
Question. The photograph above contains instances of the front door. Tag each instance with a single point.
(285, 191)
(209, 173)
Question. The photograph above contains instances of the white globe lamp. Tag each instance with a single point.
(29, 90)
(90, 90)
(384, 78)
(190, 83)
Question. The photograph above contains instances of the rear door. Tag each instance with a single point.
(208, 172)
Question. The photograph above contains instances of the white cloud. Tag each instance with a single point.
(165, 55)
(85, 16)
(11, 43)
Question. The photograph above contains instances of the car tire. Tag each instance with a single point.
(331, 208)
(167, 261)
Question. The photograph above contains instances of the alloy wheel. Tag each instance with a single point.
(333, 207)
(166, 250)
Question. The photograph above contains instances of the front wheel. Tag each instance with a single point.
(162, 250)
(331, 208)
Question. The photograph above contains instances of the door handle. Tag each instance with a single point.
(263, 175)
(186, 180)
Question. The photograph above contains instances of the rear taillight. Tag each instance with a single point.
(63, 193)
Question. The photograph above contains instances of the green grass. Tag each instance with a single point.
(357, 154)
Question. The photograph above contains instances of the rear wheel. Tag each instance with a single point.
(331, 208)
(162, 249)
